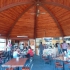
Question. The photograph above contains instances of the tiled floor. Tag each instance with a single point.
(39, 64)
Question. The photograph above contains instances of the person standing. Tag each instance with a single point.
(21, 47)
(41, 49)
(9, 50)
(59, 48)
(64, 46)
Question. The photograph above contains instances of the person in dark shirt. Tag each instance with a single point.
(41, 47)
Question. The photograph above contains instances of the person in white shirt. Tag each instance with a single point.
(15, 53)
(21, 47)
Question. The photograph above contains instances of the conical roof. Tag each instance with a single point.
(34, 18)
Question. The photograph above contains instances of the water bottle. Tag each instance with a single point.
(17, 59)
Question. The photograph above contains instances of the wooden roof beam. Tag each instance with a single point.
(10, 30)
(56, 4)
(57, 23)
(15, 4)
(36, 20)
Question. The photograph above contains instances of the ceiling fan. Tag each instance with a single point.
(38, 12)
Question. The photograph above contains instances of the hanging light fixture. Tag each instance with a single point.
(23, 36)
